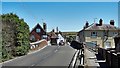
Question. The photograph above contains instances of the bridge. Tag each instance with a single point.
(39, 44)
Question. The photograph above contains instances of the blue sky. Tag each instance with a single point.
(60, 0)
(68, 16)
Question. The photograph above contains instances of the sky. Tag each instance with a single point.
(119, 14)
(67, 16)
(61, 0)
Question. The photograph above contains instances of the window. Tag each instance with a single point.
(93, 34)
(94, 42)
(32, 38)
(37, 30)
(115, 33)
(105, 34)
(44, 36)
(107, 45)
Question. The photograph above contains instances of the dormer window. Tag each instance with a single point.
(37, 30)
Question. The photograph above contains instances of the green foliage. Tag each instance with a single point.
(21, 50)
(15, 36)
(0, 53)
(5, 54)
(70, 38)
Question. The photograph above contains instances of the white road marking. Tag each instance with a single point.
(33, 65)
(55, 50)
(75, 58)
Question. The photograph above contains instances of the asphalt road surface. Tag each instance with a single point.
(49, 56)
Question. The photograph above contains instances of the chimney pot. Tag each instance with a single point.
(100, 22)
(44, 26)
(112, 22)
(87, 24)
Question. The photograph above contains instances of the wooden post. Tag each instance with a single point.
(111, 62)
(108, 58)
(118, 55)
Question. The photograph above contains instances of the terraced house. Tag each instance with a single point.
(99, 34)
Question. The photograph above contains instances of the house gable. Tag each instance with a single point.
(37, 33)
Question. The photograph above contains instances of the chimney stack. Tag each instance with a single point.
(53, 30)
(100, 22)
(44, 27)
(112, 22)
(87, 24)
(57, 29)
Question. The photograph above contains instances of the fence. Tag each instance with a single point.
(111, 56)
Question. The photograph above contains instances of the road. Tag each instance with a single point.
(49, 56)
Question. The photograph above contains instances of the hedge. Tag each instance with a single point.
(15, 36)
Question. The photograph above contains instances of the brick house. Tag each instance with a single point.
(38, 33)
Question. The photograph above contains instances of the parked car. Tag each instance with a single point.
(61, 42)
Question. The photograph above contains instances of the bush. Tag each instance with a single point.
(20, 50)
(15, 36)
(6, 55)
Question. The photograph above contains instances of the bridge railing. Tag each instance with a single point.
(38, 44)
(78, 58)
(111, 56)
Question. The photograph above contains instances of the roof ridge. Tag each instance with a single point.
(102, 27)
(90, 25)
(36, 26)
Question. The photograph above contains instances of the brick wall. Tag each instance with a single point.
(39, 46)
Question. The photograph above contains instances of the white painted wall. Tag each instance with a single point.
(60, 38)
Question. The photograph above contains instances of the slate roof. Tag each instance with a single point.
(53, 35)
(94, 26)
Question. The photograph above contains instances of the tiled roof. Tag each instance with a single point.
(52, 34)
(94, 26)
(36, 26)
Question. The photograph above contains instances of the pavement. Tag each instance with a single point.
(90, 59)
(94, 60)
(49, 56)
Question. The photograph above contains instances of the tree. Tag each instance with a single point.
(15, 36)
